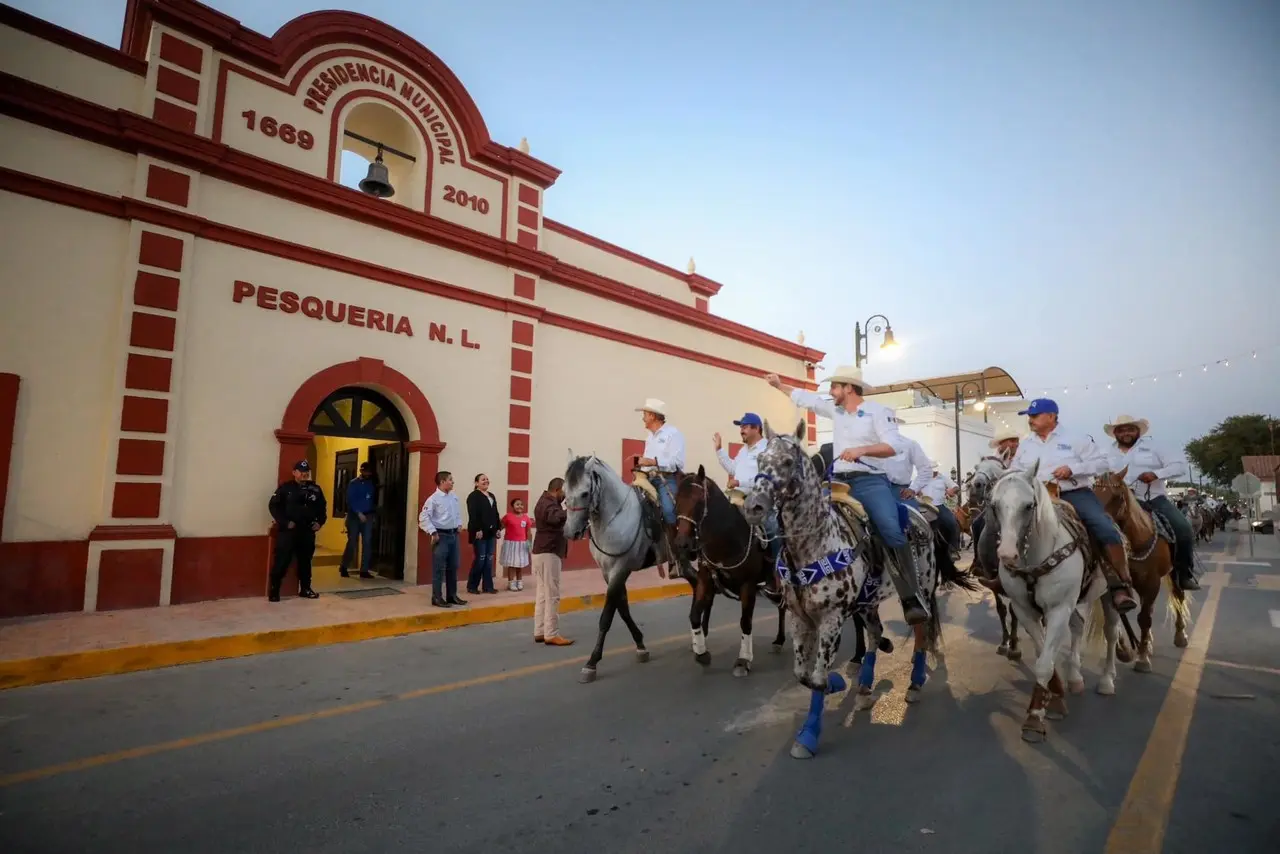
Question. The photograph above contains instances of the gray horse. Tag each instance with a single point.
(626, 534)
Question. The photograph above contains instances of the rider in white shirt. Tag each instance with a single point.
(1147, 467)
(938, 488)
(1005, 447)
(663, 459)
(1071, 461)
(743, 467)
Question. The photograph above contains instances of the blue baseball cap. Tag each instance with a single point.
(750, 419)
(1039, 406)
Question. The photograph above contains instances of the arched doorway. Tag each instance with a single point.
(352, 426)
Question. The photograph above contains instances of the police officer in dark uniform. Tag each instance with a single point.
(299, 509)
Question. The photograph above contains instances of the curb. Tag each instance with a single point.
(22, 673)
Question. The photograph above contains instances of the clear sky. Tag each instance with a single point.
(1075, 191)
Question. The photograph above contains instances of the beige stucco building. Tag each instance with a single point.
(193, 302)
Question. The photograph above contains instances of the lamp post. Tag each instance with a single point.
(980, 404)
(860, 338)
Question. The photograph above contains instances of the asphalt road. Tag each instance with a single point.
(477, 740)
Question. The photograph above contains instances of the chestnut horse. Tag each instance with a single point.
(1150, 559)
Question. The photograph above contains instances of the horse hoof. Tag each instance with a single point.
(1142, 665)
(588, 674)
(799, 751)
(1180, 639)
(857, 659)
(775, 648)
(703, 658)
(1124, 655)
(886, 645)
(1056, 710)
(740, 669)
(1034, 732)
(642, 655)
(865, 701)
(913, 694)
(1107, 688)
(1076, 687)
(1002, 649)
(1015, 655)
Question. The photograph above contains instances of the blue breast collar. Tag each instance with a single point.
(810, 574)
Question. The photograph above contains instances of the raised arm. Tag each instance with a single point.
(809, 400)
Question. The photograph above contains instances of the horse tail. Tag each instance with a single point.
(934, 633)
(1096, 634)
(1178, 605)
(950, 575)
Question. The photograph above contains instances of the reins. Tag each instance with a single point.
(696, 525)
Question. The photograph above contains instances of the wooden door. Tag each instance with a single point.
(391, 490)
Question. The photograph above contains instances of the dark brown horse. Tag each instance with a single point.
(730, 559)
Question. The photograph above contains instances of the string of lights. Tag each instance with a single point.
(1174, 374)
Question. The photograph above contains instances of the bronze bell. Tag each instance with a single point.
(377, 182)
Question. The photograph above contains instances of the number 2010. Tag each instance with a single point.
(464, 199)
(286, 133)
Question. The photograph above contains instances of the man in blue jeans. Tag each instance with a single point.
(441, 517)
(360, 507)
(865, 437)
(662, 461)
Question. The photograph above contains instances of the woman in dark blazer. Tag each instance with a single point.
(483, 522)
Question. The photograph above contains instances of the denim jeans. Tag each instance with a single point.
(359, 535)
(948, 525)
(482, 564)
(1094, 516)
(1183, 536)
(444, 565)
(879, 499)
(771, 531)
(666, 486)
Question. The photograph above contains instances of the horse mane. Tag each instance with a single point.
(1144, 528)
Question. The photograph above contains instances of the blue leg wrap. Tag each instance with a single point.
(867, 673)
(812, 729)
(918, 674)
(835, 683)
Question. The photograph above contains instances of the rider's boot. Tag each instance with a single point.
(1185, 577)
(1121, 585)
(903, 572)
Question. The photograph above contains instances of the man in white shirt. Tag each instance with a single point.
(662, 461)
(1071, 461)
(1147, 467)
(441, 517)
(743, 468)
(938, 489)
(865, 437)
(1004, 446)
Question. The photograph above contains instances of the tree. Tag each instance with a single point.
(1218, 452)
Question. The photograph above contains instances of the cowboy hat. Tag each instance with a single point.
(1141, 423)
(652, 404)
(851, 375)
(1003, 435)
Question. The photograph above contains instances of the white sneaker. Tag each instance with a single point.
(519, 585)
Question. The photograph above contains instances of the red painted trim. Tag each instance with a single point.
(42, 577)
(170, 114)
(75, 42)
(693, 280)
(529, 195)
(527, 217)
(700, 304)
(527, 239)
(517, 473)
(156, 291)
(734, 447)
(127, 132)
(140, 457)
(519, 417)
(133, 532)
(160, 250)
(144, 415)
(129, 578)
(172, 82)
(165, 185)
(521, 389)
(9, 386)
(278, 54)
(525, 287)
(518, 445)
(135, 501)
(181, 53)
(522, 333)
(631, 448)
(148, 373)
(521, 360)
(152, 331)
(206, 568)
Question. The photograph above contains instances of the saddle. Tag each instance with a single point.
(651, 514)
(1164, 531)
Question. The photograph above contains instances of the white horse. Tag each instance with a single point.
(626, 534)
(1047, 567)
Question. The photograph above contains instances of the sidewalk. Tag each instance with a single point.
(56, 647)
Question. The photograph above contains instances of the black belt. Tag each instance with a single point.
(446, 530)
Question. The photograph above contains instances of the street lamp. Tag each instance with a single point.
(860, 338)
(979, 403)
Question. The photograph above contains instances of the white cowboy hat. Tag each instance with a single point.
(652, 404)
(1141, 423)
(1002, 435)
(852, 375)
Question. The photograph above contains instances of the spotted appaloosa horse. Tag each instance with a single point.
(827, 575)
(714, 534)
(1150, 559)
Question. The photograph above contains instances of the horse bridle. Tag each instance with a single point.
(702, 554)
(591, 497)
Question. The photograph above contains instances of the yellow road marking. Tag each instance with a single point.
(306, 717)
(1256, 668)
(1144, 815)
